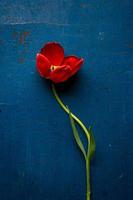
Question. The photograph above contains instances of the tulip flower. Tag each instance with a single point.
(52, 64)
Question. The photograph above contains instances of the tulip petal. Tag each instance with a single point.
(54, 52)
(74, 62)
(60, 74)
(43, 65)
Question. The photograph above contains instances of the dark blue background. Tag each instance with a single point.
(39, 159)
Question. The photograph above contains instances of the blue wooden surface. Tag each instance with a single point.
(38, 156)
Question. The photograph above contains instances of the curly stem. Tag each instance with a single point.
(67, 111)
(87, 160)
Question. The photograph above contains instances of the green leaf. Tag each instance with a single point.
(92, 144)
(76, 135)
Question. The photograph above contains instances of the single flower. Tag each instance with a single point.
(52, 64)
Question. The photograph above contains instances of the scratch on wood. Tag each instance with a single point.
(21, 39)
(20, 36)
(23, 36)
(21, 60)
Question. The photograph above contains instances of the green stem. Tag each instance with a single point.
(88, 192)
(87, 135)
(67, 111)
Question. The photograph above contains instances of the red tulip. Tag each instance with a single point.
(52, 64)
